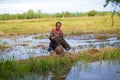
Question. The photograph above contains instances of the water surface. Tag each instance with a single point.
(23, 47)
(107, 70)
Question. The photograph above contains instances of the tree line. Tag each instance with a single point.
(31, 14)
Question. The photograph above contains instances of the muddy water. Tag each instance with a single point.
(89, 41)
(23, 47)
(107, 70)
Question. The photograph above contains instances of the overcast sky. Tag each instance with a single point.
(52, 6)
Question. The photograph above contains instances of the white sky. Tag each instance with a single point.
(52, 6)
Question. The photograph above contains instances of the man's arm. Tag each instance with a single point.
(51, 35)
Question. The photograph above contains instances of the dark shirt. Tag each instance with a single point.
(58, 35)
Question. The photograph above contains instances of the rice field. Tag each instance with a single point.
(72, 25)
(57, 65)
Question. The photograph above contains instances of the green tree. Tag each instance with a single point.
(22, 16)
(58, 15)
(67, 14)
(119, 13)
(92, 13)
(30, 14)
(39, 13)
(5, 17)
(115, 4)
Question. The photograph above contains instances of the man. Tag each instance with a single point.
(54, 37)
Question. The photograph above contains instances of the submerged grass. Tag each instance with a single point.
(57, 65)
(13, 69)
(4, 45)
(76, 25)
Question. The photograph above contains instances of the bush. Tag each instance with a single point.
(92, 13)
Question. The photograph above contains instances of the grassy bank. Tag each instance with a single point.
(58, 65)
(78, 25)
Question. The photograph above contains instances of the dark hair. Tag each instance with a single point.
(58, 23)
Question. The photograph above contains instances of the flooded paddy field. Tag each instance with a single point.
(17, 52)
(22, 47)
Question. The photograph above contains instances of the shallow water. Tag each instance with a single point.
(95, 71)
(33, 77)
(105, 70)
(23, 47)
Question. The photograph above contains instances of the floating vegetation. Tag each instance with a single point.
(23, 44)
(101, 37)
(105, 36)
(42, 46)
(39, 37)
(4, 45)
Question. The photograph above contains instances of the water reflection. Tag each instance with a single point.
(33, 77)
(107, 70)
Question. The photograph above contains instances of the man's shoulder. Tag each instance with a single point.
(52, 31)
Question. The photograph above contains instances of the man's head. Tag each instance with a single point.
(58, 25)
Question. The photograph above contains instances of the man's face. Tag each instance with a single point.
(58, 26)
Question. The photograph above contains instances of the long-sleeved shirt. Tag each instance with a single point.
(57, 34)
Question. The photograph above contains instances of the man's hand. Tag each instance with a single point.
(53, 37)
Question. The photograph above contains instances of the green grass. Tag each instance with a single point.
(57, 65)
(14, 69)
(78, 25)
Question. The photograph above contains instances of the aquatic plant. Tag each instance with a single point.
(57, 65)
(4, 45)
